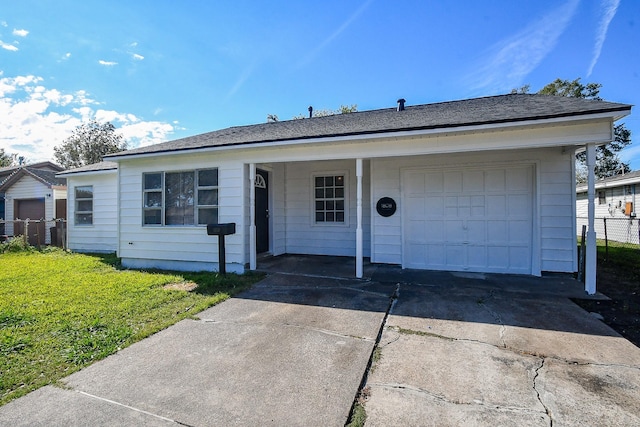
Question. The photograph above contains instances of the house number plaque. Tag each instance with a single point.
(386, 206)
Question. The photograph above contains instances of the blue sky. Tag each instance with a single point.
(164, 69)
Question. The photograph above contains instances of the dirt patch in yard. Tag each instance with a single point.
(621, 283)
(182, 286)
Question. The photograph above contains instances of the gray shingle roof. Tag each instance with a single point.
(47, 177)
(469, 112)
(95, 167)
(611, 181)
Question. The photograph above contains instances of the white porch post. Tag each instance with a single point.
(253, 263)
(359, 259)
(591, 254)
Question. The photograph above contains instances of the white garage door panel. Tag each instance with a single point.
(469, 219)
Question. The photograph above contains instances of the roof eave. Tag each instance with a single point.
(410, 132)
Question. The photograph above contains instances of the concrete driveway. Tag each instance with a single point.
(292, 351)
(455, 349)
(480, 350)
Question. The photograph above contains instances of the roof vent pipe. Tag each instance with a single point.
(401, 102)
(310, 111)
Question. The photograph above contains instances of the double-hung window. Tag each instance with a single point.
(83, 205)
(180, 198)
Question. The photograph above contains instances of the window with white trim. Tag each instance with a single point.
(83, 205)
(180, 198)
(329, 194)
(602, 197)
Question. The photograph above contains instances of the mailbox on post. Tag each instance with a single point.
(221, 230)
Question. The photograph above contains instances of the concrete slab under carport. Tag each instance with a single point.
(482, 355)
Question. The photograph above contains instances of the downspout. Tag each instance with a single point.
(591, 250)
(253, 263)
(359, 258)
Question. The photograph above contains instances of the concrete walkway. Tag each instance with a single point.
(456, 349)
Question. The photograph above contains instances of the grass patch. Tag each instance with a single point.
(60, 311)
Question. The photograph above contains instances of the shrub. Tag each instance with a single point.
(16, 244)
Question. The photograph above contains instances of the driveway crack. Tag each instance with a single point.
(288, 325)
(535, 388)
(442, 398)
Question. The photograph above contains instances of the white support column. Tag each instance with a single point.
(591, 254)
(253, 262)
(359, 259)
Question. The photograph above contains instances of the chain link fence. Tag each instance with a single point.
(625, 231)
(35, 232)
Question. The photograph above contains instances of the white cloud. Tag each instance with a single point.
(8, 46)
(511, 60)
(20, 33)
(137, 57)
(36, 118)
(610, 7)
(4, 24)
(107, 63)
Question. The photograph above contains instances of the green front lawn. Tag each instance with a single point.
(61, 311)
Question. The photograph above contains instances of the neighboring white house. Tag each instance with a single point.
(616, 201)
(32, 192)
(483, 185)
(92, 208)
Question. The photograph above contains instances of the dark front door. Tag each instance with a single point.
(34, 210)
(262, 211)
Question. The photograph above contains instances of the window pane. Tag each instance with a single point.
(319, 217)
(319, 182)
(208, 178)
(340, 181)
(152, 181)
(319, 193)
(207, 197)
(330, 204)
(208, 216)
(178, 215)
(153, 216)
(329, 217)
(84, 219)
(153, 200)
(84, 205)
(84, 192)
(328, 181)
(328, 192)
(179, 198)
(340, 192)
(339, 216)
(319, 206)
(340, 205)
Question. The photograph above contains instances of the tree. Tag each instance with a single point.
(607, 161)
(6, 159)
(88, 144)
(344, 109)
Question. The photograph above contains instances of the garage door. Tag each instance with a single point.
(468, 219)
(33, 209)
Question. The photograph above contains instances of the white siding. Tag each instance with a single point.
(102, 235)
(302, 234)
(181, 247)
(620, 227)
(28, 187)
(553, 206)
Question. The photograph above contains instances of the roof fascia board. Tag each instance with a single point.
(379, 135)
